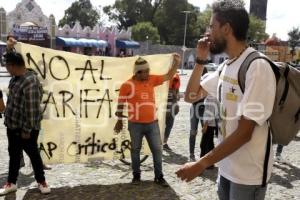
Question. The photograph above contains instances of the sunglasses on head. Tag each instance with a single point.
(143, 71)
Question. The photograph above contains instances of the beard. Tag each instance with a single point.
(218, 46)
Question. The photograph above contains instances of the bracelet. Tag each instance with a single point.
(200, 61)
(120, 117)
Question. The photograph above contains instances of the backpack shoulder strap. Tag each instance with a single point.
(220, 69)
(244, 68)
(246, 64)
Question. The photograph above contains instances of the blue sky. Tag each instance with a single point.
(282, 16)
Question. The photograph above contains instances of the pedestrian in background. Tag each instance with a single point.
(210, 125)
(196, 116)
(172, 108)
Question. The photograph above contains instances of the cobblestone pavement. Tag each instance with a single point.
(109, 180)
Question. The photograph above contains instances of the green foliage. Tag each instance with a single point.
(294, 39)
(256, 32)
(203, 20)
(142, 30)
(166, 15)
(127, 13)
(82, 11)
(171, 22)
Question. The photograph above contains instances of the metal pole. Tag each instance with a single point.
(186, 15)
(184, 36)
(147, 45)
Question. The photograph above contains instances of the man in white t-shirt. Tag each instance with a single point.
(242, 144)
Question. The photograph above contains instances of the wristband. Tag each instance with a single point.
(120, 116)
(201, 62)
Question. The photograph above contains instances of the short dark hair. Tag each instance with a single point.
(234, 13)
(10, 36)
(14, 58)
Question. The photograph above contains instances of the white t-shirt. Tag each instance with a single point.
(245, 165)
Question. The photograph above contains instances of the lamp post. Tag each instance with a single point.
(186, 12)
(147, 44)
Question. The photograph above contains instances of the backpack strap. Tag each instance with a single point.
(266, 160)
(246, 64)
(297, 115)
(286, 86)
(244, 68)
(220, 69)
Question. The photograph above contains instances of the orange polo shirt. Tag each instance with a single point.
(175, 82)
(140, 98)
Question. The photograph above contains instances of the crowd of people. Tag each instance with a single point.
(217, 103)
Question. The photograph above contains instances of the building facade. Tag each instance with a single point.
(258, 8)
(28, 24)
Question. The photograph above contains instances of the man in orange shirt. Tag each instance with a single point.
(138, 93)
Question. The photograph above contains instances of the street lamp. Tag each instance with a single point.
(186, 12)
(147, 44)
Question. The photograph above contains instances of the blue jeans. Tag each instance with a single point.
(196, 116)
(228, 190)
(169, 125)
(151, 132)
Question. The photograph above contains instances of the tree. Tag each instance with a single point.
(170, 22)
(294, 39)
(145, 31)
(256, 32)
(166, 15)
(127, 13)
(82, 11)
(203, 20)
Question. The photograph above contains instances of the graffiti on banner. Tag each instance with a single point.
(80, 99)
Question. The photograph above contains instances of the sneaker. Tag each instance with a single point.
(192, 158)
(44, 188)
(8, 188)
(136, 180)
(166, 147)
(45, 167)
(161, 181)
(279, 159)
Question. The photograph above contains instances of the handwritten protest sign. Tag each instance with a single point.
(80, 99)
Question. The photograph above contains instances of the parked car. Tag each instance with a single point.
(211, 67)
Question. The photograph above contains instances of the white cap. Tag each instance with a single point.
(140, 64)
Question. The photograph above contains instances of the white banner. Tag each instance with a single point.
(80, 99)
